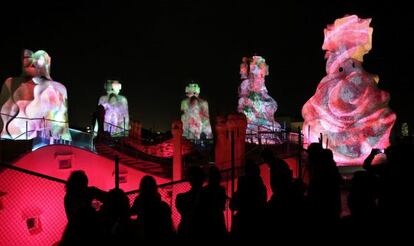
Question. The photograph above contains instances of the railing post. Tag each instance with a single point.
(221, 150)
(259, 136)
(233, 163)
(44, 128)
(177, 132)
(124, 127)
(27, 128)
(116, 172)
(91, 133)
(299, 153)
(233, 166)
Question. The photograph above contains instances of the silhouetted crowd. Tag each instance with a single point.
(379, 200)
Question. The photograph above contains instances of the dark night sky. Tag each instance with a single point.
(157, 48)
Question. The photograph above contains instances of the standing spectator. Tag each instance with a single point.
(154, 215)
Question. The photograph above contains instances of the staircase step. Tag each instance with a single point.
(142, 165)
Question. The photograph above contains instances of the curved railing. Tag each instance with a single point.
(44, 133)
(27, 130)
(123, 131)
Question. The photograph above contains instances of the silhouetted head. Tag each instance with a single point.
(327, 154)
(267, 155)
(314, 148)
(327, 157)
(148, 185)
(77, 182)
(116, 204)
(195, 176)
(214, 176)
(314, 152)
(280, 176)
(251, 169)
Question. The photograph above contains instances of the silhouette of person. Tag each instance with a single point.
(99, 118)
(154, 215)
(249, 202)
(324, 194)
(362, 198)
(212, 205)
(117, 227)
(83, 225)
(378, 169)
(188, 205)
(396, 187)
(286, 208)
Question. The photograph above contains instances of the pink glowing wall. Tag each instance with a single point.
(100, 170)
(348, 108)
(27, 196)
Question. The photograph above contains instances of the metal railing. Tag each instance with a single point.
(17, 184)
(42, 127)
(267, 135)
(42, 135)
(31, 207)
(119, 131)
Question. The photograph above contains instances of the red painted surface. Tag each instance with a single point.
(41, 200)
(100, 170)
(27, 196)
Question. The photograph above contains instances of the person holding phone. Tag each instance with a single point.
(378, 169)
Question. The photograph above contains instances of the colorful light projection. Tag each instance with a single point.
(254, 100)
(348, 109)
(116, 108)
(33, 102)
(195, 115)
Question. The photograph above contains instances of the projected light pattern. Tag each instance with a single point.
(254, 100)
(116, 108)
(195, 115)
(34, 102)
(348, 108)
